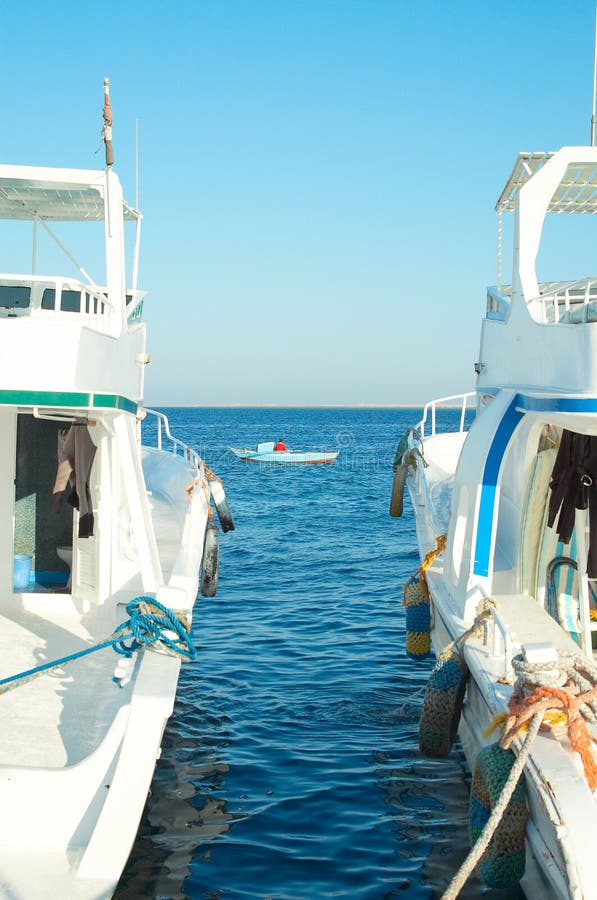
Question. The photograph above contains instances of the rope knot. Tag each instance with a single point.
(150, 622)
(557, 691)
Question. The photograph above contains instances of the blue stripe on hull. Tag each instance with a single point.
(500, 441)
(520, 405)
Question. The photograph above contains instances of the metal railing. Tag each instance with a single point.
(46, 295)
(568, 301)
(430, 411)
(176, 447)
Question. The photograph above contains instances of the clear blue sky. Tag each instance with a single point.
(317, 177)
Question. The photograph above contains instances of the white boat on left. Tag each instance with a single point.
(104, 544)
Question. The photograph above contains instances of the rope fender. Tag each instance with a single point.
(504, 860)
(442, 705)
(493, 839)
(444, 693)
(150, 625)
(559, 694)
(417, 604)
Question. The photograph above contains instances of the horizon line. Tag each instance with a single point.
(298, 405)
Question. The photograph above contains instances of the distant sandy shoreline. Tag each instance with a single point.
(299, 405)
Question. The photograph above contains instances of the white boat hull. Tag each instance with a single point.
(560, 833)
(514, 501)
(81, 725)
(286, 457)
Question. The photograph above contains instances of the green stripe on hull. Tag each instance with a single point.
(68, 399)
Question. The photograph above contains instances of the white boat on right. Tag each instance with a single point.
(506, 522)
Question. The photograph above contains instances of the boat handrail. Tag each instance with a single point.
(189, 455)
(94, 307)
(568, 301)
(8, 279)
(430, 410)
(502, 642)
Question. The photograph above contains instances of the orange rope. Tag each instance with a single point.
(522, 709)
(429, 559)
(190, 488)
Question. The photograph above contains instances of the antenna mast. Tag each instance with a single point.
(136, 163)
(594, 82)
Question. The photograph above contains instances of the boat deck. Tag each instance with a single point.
(60, 717)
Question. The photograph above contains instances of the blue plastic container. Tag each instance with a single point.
(22, 571)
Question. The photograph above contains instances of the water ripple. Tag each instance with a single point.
(290, 768)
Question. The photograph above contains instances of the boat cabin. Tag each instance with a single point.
(528, 334)
(523, 497)
(72, 362)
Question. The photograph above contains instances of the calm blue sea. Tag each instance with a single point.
(290, 768)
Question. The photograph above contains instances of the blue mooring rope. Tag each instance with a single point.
(144, 626)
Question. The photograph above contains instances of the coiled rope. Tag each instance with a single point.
(559, 694)
(150, 624)
(567, 686)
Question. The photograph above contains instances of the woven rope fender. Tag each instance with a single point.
(504, 860)
(443, 704)
(418, 620)
(418, 606)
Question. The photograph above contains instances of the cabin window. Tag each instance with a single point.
(15, 296)
(70, 301)
(48, 298)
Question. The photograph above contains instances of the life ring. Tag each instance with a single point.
(442, 705)
(209, 563)
(504, 861)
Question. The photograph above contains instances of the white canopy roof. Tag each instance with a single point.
(577, 191)
(62, 195)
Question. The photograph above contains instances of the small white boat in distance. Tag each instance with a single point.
(105, 528)
(265, 453)
(506, 521)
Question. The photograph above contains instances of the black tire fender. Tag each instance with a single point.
(208, 581)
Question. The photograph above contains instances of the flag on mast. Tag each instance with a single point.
(107, 129)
